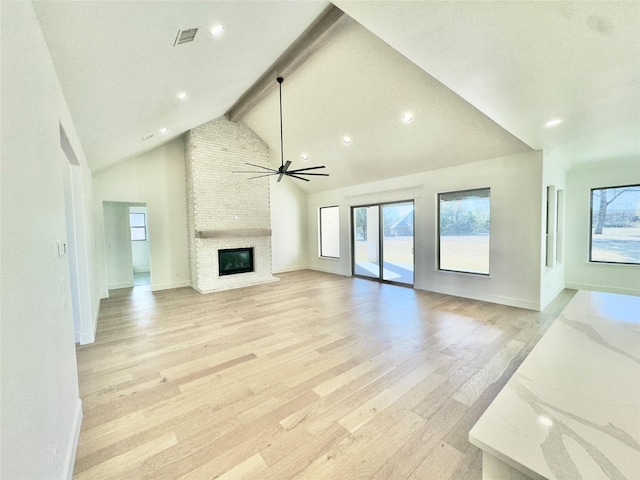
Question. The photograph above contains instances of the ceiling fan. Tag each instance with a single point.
(284, 167)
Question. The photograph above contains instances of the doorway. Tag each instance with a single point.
(128, 258)
(140, 256)
(383, 242)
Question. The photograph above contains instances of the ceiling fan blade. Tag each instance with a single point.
(299, 178)
(264, 168)
(308, 168)
(315, 174)
(284, 166)
(260, 176)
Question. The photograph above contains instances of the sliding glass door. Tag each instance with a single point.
(397, 242)
(366, 241)
(383, 242)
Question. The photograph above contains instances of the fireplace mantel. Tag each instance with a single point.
(234, 233)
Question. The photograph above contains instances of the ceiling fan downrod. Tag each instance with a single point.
(284, 167)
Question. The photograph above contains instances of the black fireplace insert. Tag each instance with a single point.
(235, 260)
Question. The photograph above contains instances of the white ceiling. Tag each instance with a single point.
(516, 64)
(121, 73)
(358, 86)
(523, 63)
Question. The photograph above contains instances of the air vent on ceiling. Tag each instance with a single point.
(185, 36)
(147, 137)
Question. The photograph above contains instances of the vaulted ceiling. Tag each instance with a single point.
(480, 79)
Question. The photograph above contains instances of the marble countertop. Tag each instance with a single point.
(572, 409)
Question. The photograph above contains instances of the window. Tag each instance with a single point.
(463, 228)
(330, 232)
(138, 224)
(615, 225)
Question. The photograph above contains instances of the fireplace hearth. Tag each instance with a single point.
(232, 261)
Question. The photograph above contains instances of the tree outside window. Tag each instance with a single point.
(615, 225)
(464, 223)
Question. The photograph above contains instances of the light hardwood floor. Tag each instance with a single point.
(317, 376)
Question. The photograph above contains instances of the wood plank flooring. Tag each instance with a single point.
(317, 376)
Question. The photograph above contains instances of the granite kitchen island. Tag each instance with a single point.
(572, 409)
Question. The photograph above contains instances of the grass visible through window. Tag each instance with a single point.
(464, 224)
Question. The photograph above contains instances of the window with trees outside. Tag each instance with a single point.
(615, 225)
(330, 232)
(463, 231)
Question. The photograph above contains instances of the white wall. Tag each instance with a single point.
(579, 273)
(140, 248)
(516, 204)
(289, 241)
(117, 244)
(553, 277)
(89, 292)
(41, 410)
(157, 180)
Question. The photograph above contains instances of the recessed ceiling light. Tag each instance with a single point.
(182, 95)
(553, 123)
(407, 117)
(305, 157)
(346, 140)
(216, 30)
(164, 130)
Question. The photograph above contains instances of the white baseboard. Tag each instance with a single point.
(329, 270)
(87, 338)
(512, 302)
(484, 297)
(293, 268)
(72, 444)
(90, 336)
(603, 288)
(545, 302)
(167, 286)
(116, 286)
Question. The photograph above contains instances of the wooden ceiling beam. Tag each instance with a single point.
(327, 25)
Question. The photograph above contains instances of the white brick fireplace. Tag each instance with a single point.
(226, 210)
